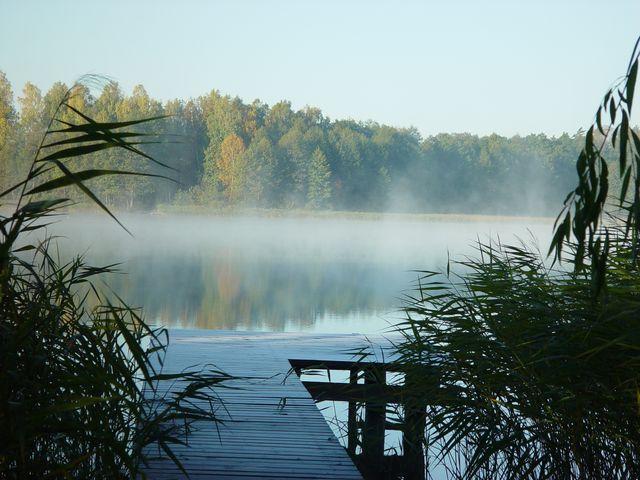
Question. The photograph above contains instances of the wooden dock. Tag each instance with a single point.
(272, 427)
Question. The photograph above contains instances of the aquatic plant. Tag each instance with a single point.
(530, 365)
(80, 371)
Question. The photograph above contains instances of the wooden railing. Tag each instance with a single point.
(375, 394)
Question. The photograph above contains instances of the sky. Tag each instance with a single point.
(509, 67)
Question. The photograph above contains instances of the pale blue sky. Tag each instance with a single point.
(441, 66)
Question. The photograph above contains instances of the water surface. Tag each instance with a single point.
(275, 274)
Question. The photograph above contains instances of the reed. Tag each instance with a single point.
(530, 364)
(80, 371)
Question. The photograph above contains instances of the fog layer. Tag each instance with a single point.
(276, 274)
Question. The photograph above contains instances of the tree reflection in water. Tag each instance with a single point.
(274, 274)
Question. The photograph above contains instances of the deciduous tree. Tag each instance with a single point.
(232, 167)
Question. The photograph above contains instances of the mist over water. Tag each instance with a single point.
(274, 274)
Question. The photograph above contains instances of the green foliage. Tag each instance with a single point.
(262, 184)
(7, 112)
(531, 370)
(584, 207)
(7, 124)
(319, 195)
(526, 374)
(373, 167)
(80, 371)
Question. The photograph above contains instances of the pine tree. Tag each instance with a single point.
(319, 192)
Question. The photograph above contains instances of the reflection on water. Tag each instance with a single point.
(276, 274)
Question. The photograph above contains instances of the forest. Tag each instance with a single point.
(228, 153)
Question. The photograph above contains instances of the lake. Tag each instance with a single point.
(275, 274)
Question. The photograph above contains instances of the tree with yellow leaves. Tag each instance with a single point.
(232, 167)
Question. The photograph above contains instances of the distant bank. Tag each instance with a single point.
(347, 215)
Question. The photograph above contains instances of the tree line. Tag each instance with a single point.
(228, 152)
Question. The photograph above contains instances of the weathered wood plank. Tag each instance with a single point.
(271, 427)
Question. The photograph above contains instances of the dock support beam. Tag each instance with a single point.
(414, 429)
(374, 420)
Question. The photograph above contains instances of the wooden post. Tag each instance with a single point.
(374, 420)
(414, 427)
(352, 419)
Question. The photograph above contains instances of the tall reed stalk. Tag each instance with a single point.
(79, 379)
(531, 365)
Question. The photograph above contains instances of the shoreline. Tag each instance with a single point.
(207, 211)
(197, 210)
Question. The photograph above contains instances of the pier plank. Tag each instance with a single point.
(271, 426)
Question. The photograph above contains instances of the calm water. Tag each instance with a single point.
(276, 274)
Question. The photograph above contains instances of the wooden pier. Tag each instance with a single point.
(271, 426)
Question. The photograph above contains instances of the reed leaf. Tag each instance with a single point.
(80, 371)
(535, 362)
